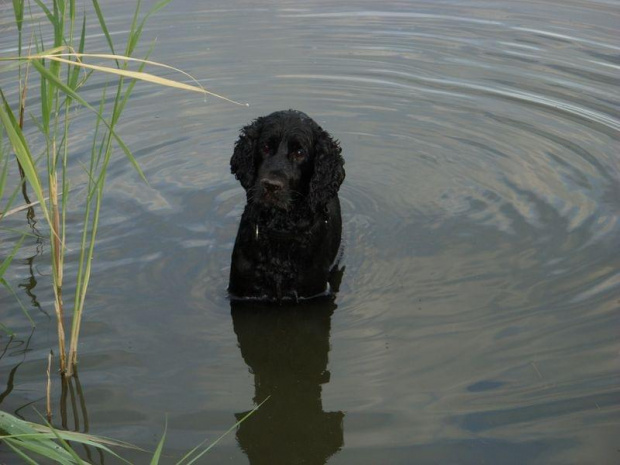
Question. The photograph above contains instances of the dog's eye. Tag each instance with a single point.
(265, 149)
(299, 154)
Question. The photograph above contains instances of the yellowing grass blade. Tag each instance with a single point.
(109, 56)
(142, 76)
(57, 55)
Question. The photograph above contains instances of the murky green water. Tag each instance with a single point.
(479, 312)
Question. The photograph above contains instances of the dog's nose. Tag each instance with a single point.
(272, 185)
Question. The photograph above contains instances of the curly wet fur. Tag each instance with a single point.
(289, 234)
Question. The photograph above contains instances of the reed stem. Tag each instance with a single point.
(48, 389)
(63, 74)
(57, 266)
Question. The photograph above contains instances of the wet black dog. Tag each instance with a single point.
(289, 235)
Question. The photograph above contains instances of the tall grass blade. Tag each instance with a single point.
(24, 457)
(18, 10)
(107, 56)
(56, 56)
(45, 108)
(67, 90)
(136, 32)
(41, 439)
(22, 152)
(75, 71)
(154, 9)
(21, 305)
(48, 13)
(7, 331)
(86, 253)
(104, 28)
(76, 458)
(7, 261)
(51, 451)
(58, 95)
(71, 18)
(20, 208)
(141, 76)
(189, 455)
(132, 40)
(16, 429)
(5, 169)
(160, 446)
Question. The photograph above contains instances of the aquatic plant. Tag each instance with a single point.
(63, 68)
(30, 440)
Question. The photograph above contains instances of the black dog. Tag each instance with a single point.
(289, 235)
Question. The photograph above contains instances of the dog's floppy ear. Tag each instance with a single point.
(328, 170)
(243, 160)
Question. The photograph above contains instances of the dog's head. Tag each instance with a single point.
(286, 158)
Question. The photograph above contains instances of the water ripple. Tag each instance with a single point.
(463, 89)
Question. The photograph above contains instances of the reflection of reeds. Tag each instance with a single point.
(63, 72)
(31, 441)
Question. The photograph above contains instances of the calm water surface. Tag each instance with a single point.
(479, 311)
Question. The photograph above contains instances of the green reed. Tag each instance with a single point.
(60, 65)
(30, 440)
(4, 211)
(60, 69)
(59, 85)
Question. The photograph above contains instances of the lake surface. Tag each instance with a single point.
(478, 315)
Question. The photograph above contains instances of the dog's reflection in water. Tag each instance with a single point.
(286, 349)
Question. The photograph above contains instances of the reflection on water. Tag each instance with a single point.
(478, 318)
(286, 350)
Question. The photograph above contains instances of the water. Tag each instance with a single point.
(478, 315)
